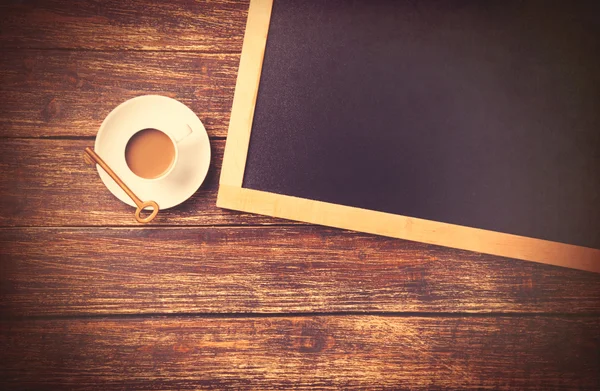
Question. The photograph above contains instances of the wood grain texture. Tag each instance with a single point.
(54, 272)
(69, 93)
(63, 66)
(47, 183)
(303, 353)
(208, 25)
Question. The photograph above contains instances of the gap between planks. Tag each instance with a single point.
(120, 50)
(135, 226)
(338, 314)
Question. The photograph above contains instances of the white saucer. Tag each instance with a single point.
(170, 116)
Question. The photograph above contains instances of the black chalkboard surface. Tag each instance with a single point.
(484, 114)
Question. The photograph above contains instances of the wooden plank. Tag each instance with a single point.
(69, 93)
(47, 183)
(48, 272)
(302, 353)
(208, 26)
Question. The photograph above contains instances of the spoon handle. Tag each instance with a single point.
(90, 154)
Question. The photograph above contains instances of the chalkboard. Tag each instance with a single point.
(471, 124)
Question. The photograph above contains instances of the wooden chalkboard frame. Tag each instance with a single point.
(233, 196)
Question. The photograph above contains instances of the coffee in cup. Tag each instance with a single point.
(150, 153)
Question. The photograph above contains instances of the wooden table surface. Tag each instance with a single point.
(210, 298)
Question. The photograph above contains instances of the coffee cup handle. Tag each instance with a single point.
(183, 136)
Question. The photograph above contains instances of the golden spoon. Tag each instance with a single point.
(90, 157)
